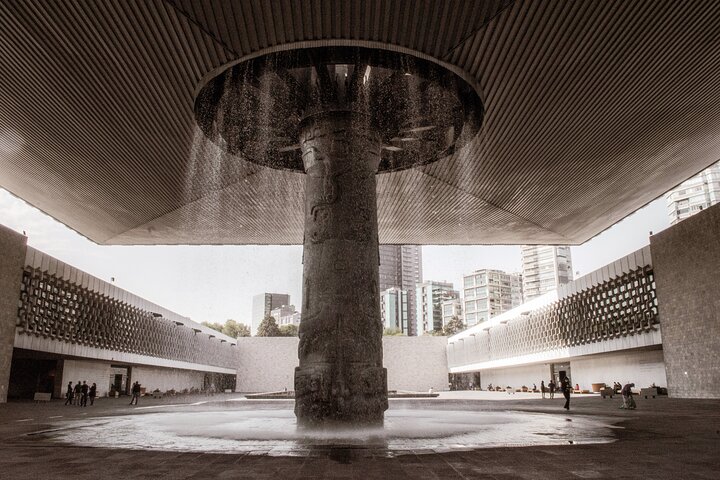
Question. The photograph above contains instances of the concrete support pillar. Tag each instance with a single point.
(12, 259)
(340, 378)
(685, 260)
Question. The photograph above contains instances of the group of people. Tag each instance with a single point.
(566, 388)
(79, 394)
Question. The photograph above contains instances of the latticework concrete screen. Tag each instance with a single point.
(605, 309)
(68, 310)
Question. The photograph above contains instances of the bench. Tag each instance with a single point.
(157, 394)
(606, 392)
(42, 397)
(649, 392)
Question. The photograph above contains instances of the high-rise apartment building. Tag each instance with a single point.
(394, 309)
(429, 300)
(263, 304)
(286, 315)
(487, 293)
(544, 268)
(401, 268)
(452, 307)
(694, 194)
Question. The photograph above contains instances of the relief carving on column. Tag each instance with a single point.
(340, 376)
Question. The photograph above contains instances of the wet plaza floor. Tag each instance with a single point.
(470, 435)
(246, 429)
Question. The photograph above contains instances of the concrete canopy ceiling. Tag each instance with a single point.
(593, 109)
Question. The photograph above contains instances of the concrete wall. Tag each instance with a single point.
(641, 367)
(149, 377)
(413, 363)
(12, 258)
(416, 363)
(515, 377)
(686, 260)
(266, 364)
(91, 372)
(165, 379)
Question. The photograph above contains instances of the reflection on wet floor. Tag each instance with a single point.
(274, 432)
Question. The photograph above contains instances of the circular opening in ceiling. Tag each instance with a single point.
(419, 111)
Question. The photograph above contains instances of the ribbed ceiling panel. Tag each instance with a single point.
(432, 27)
(594, 108)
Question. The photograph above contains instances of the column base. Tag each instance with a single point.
(327, 397)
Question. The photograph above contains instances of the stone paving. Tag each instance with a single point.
(663, 438)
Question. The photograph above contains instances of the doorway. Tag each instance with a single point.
(559, 371)
(31, 375)
(119, 380)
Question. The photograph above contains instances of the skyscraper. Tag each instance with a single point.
(694, 194)
(430, 296)
(545, 267)
(487, 293)
(394, 309)
(263, 304)
(401, 268)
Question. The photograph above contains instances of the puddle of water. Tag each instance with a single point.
(266, 431)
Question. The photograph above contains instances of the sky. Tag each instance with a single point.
(216, 283)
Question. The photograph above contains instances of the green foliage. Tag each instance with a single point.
(268, 328)
(392, 332)
(453, 326)
(215, 326)
(234, 329)
(231, 328)
(289, 330)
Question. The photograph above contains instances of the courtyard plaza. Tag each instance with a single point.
(340, 126)
(663, 438)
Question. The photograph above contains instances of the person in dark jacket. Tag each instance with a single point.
(84, 394)
(565, 388)
(93, 393)
(76, 393)
(69, 394)
(551, 387)
(542, 388)
(135, 393)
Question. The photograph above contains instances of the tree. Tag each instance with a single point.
(392, 332)
(234, 329)
(268, 328)
(289, 330)
(214, 326)
(231, 328)
(453, 326)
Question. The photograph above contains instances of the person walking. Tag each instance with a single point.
(76, 393)
(566, 388)
(542, 388)
(84, 394)
(93, 394)
(69, 394)
(551, 387)
(135, 393)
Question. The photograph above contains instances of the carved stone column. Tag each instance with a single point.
(340, 378)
